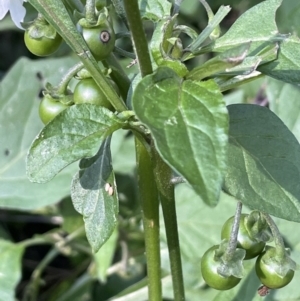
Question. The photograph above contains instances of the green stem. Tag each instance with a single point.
(163, 176)
(138, 36)
(32, 289)
(150, 207)
(118, 75)
(90, 11)
(234, 233)
(279, 244)
(63, 85)
(124, 53)
(119, 7)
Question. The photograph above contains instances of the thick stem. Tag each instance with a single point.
(279, 244)
(163, 176)
(138, 36)
(234, 233)
(90, 14)
(149, 202)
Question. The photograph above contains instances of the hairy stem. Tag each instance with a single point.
(234, 233)
(279, 244)
(90, 11)
(63, 85)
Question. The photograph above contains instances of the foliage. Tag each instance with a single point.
(218, 111)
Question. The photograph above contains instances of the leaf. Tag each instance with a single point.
(74, 134)
(10, 269)
(103, 258)
(256, 25)
(154, 10)
(92, 197)
(263, 162)
(19, 124)
(284, 102)
(222, 62)
(287, 65)
(159, 46)
(189, 122)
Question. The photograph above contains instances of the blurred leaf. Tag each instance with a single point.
(287, 65)
(92, 198)
(123, 152)
(189, 123)
(154, 9)
(74, 134)
(10, 269)
(284, 102)
(288, 17)
(245, 29)
(103, 258)
(263, 162)
(19, 124)
(72, 220)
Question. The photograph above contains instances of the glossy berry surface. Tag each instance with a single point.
(50, 108)
(87, 91)
(43, 46)
(210, 274)
(244, 241)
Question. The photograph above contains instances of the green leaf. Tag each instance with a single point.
(159, 46)
(287, 65)
(103, 258)
(284, 102)
(189, 123)
(263, 162)
(10, 269)
(94, 195)
(154, 10)
(256, 25)
(19, 124)
(74, 134)
(225, 60)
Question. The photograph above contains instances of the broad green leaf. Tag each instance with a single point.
(189, 124)
(19, 124)
(263, 162)
(74, 134)
(160, 45)
(287, 65)
(95, 196)
(103, 258)
(154, 9)
(10, 269)
(256, 25)
(284, 102)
